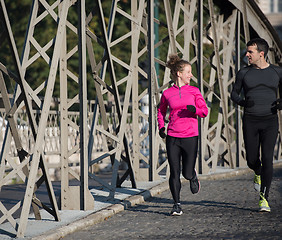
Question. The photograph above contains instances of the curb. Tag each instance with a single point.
(108, 212)
(102, 214)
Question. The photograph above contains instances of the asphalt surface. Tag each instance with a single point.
(224, 209)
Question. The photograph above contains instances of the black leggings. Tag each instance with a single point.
(178, 149)
(260, 133)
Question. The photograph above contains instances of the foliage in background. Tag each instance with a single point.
(45, 31)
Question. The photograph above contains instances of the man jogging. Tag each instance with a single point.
(260, 82)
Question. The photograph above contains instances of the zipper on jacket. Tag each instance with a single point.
(180, 92)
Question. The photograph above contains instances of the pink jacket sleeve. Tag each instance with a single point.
(162, 112)
(201, 106)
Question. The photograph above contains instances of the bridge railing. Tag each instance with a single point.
(52, 138)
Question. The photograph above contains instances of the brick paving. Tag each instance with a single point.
(224, 209)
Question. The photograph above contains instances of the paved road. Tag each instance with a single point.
(224, 209)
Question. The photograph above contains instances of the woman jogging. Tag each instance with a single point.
(185, 103)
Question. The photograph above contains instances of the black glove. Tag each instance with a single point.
(162, 132)
(246, 103)
(191, 108)
(277, 105)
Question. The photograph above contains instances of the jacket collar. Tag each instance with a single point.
(184, 86)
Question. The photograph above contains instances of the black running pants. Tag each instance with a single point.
(260, 134)
(180, 150)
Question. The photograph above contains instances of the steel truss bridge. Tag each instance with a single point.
(210, 34)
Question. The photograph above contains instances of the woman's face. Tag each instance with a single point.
(186, 75)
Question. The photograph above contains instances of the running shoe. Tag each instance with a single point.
(257, 182)
(263, 204)
(176, 210)
(195, 184)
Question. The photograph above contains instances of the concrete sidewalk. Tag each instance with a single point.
(73, 220)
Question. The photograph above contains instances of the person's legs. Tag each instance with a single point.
(251, 141)
(268, 139)
(174, 155)
(189, 155)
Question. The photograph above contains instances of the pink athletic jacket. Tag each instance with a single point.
(182, 123)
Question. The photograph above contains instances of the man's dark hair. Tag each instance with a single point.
(262, 45)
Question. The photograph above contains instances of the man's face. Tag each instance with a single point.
(253, 55)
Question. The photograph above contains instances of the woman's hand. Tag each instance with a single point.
(162, 132)
(191, 108)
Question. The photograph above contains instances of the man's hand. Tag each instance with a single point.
(277, 105)
(247, 103)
